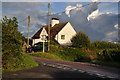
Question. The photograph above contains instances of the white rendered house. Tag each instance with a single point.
(60, 32)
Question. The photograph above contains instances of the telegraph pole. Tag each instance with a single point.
(48, 26)
(28, 29)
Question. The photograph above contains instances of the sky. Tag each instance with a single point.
(98, 20)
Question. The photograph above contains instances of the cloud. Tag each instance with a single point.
(95, 0)
(93, 15)
(116, 26)
(59, 0)
(111, 36)
(22, 10)
(97, 26)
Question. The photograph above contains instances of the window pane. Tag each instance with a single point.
(63, 37)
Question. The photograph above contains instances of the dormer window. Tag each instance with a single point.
(63, 37)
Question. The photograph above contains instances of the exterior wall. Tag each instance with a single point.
(55, 22)
(69, 32)
(43, 32)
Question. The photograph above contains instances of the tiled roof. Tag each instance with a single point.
(53, 30)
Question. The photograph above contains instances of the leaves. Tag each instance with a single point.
(80, 40)
(11, 39)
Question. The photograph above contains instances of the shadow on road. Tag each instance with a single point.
(44, 72)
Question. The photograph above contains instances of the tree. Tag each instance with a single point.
(80, 40)
(12, 39)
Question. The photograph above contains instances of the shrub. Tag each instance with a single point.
(105, 45)
(80, 40)
(68, 53)
(53, 42)
(109, 55)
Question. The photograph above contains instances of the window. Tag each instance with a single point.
(43, 37)
(62, 37)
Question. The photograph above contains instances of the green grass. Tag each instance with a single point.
(46, 55)
(19, 63)
(74, 54)
(60, 53)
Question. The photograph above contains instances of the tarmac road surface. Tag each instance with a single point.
(51, 69)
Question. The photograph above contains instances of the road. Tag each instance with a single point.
(54, 69)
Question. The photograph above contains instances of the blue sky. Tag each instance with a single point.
(78, 18)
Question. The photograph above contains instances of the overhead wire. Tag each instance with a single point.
(71, 9)
(75, 8)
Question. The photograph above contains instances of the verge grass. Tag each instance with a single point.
(45, 55)
(19, 63)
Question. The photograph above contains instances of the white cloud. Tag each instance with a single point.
(93, 15)
(95, 0)
(59, 0)
(97, 27)
(100, 26)
(22, 11)
(116, 26)
(67, 10)
(111, 36)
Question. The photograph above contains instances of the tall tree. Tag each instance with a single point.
(11, 37)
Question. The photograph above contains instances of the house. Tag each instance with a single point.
(60, 32)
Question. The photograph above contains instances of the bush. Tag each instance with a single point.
(67, 53)
(109, 55)
(80, 40)
(53, 42)
(105, 45)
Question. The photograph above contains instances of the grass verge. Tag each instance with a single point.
(19, 63)
(46, 55)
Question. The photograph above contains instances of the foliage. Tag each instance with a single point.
(105, 45)
(80, 40)
(109, 55)
(111, 63)
(53, 42)
(67, 53)
(12, 40)
(11, 37)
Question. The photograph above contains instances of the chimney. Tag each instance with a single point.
(55, 21)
